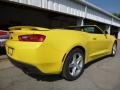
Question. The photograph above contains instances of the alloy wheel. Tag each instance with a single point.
(75, 67)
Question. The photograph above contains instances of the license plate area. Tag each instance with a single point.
(10, 51)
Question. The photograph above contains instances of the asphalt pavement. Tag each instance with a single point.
(103, 74)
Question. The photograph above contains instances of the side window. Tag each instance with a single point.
(98, 31)
(92, 29)
(88, 29)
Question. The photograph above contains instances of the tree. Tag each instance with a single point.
(117, 14)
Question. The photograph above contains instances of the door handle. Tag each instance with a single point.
(94, 38)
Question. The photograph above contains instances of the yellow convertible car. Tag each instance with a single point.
(63, 51)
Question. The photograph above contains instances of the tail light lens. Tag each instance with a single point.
(3, 33)
(32, 38)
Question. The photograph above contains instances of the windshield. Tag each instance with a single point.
(79, 28)
(88, 29)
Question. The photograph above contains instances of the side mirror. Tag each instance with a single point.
(106, 32)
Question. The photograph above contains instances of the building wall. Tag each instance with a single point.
(67, 12)
(13, 15)
(98, 16)
(75, 8)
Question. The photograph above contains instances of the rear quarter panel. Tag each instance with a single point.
(65, 40)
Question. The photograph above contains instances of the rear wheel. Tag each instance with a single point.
(114, 49)
(73, 66)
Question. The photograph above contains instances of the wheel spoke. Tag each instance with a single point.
(74, 71)
(71, 65)
(114, 49)
(75, 66)
(79, 67)
(79, 58)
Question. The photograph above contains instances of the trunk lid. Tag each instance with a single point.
(24, 30)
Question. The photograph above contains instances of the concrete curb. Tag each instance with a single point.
(5, 64)
(3, 57)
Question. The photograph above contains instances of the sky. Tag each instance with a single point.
(112, 6)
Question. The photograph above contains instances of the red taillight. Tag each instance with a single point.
(3, 33)
(32, 38)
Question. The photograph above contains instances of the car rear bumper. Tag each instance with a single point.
(46, 59)
(29, 69)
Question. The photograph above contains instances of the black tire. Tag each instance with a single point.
(71, 64)
(114, 49)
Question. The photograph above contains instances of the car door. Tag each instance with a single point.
(102, 39)
(97, 42)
